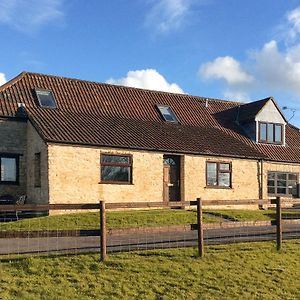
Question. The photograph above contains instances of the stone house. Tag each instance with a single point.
(65, 140)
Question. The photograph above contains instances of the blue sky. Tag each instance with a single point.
(229, 49)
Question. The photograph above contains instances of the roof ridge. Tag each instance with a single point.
(201, 98)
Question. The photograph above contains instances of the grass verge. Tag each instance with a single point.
(136, 218)
(242, 271)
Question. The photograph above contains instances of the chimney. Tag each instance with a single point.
(21, 111)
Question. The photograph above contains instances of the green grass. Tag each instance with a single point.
(117, 219)
(245, 215)
(135, 218)
(243, 271)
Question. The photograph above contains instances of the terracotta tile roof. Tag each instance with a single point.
(99, 114)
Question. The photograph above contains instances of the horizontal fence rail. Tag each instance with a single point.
(205, 233)
(129, 205)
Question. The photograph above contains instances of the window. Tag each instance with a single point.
(270, 133)
(37, 169)
(167, 113)
(218, 174)
(9, 169)
(46, 98)
(116, 168)
(284, 184)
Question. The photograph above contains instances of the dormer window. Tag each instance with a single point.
(45, 98)
(270, 133)
(167, 113)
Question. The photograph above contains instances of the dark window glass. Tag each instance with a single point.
(270, 133)
(116, 168)
(112, 173)
(46, 98)
(262, 131)
(271, 190)
(282, 183)
(115, 159)
(167, 113)
(218, 174)
(9, 169)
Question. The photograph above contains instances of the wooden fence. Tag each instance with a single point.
(103, 207)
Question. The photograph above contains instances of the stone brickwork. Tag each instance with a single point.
(13, 141)
(244, 179)
(74, 176)
(36, 194)
(71, 174)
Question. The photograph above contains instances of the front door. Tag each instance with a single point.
(171, 178)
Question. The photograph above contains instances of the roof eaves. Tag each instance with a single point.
(151, 149)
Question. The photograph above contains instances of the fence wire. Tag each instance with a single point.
(130, 230)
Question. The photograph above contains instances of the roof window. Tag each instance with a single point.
(46, 98)
(167, 113)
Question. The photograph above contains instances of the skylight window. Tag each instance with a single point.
(46, 98)
(167, 113)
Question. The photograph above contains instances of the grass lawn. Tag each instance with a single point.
(134, 218)
(242, 271)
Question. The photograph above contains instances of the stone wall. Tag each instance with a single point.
(74, 176)
(244, 179)
(36, 194)
(13, 141)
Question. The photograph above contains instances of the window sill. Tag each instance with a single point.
(115, 182)
(218, 187)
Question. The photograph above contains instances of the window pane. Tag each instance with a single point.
(224, 167)
(270, 137)
(8, 169)
(281, 176)
(293, 177)
(212, 174)
(46, 98)
(167, 113)
(281, 183)
(224, 179)
(115, 159)
(281, 190)
(278, 135)
(271, 182)
(271, 190)
(109, 173)
(271, 175)
(262, 132)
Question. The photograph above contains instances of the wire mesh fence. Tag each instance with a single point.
(142, 226)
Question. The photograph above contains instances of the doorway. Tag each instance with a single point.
(171, 178)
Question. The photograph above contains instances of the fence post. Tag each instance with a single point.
(200, 228)
(278, 223)
(102, 230)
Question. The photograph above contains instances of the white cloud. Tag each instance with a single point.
(167, 15)
(30, 15)
(226, 68)
(275, 67)
(293, 24)
(147, 79)
(2, 78)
